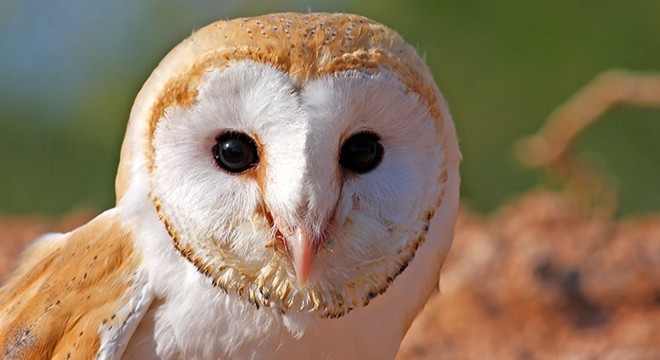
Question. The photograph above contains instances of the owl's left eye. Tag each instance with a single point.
(235, 152)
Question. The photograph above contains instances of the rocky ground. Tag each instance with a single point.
(538, 279)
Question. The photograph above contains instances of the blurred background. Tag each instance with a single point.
(69, 72)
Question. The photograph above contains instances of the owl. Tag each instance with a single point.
(287, 189)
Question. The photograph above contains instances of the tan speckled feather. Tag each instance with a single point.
(66, 290)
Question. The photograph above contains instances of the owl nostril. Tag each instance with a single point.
(280, 241)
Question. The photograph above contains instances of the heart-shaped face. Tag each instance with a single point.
(295, 159)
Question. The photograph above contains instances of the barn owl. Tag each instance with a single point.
(287, 189)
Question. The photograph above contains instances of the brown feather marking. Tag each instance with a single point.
(56, 301)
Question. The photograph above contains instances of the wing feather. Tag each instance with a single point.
(78, 295)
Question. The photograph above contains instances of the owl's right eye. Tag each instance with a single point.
(361, 153)
(235, 152)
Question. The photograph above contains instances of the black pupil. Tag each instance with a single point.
(361, 153)
(235, 152)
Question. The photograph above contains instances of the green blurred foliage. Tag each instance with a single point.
(505, 65)
(68, 76)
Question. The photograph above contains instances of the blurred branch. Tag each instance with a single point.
(552, 147)
(568, 121)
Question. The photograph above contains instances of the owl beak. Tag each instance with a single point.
(302, 250)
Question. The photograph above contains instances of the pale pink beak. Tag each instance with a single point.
(302, 250)
(300, 244)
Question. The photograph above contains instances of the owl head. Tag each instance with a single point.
(297, 160)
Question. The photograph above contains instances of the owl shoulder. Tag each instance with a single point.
(74, 295)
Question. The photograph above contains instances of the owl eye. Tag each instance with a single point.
(235, 152)
(361, 153)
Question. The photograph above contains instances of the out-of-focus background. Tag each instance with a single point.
(69, 72)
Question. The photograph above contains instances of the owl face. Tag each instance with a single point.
(299, 186)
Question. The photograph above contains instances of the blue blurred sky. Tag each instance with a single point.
(53, 51)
